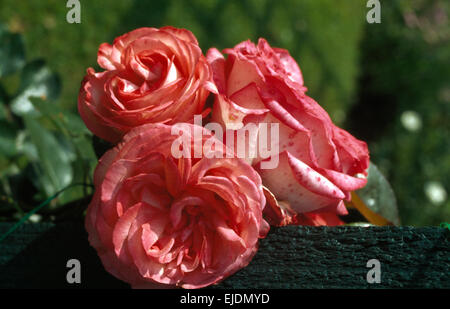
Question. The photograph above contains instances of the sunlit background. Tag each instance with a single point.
(386, 83)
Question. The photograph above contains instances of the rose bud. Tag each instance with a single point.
(158, 219)
(152, 76)
(318, 164)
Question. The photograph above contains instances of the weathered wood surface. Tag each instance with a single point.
(35, 256)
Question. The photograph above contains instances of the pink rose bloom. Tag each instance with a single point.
(158, 221)
(319, 163)
(152, 75)
(280, 213)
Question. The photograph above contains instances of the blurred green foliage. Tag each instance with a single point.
(365, 75)
(403, 106)
(43, 148)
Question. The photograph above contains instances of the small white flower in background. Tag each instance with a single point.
(411, 120)
(435, 192)
(35, 218)
(370, 202)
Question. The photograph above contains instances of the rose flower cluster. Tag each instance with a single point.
(158, 219)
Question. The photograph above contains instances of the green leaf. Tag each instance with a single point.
(74, 124)
(86, 149)
(3, 112)
(8, 136)
(26, 147)
(44, 106)
(66, 146)
(54, 165)
(376, 201)
(65, 120)
(3, 104)
(12, 52)
(79, 177)
(36, 81)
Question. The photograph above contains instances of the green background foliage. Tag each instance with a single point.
(365, 75)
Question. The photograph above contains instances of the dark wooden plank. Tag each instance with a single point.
(290, 257)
